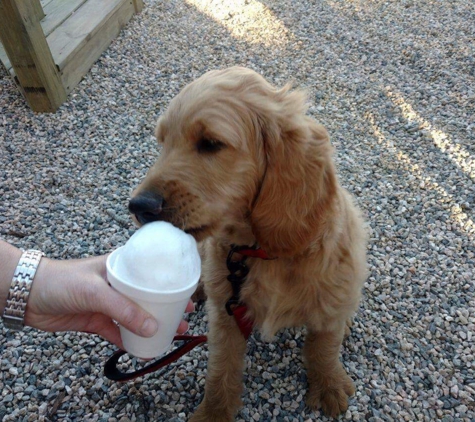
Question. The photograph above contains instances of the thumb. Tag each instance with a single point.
(127, 313)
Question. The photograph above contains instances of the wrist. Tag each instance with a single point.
(9, 258)
(40, 300)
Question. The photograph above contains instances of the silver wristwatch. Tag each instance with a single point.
(14, 313)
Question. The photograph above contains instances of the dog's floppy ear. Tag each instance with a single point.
(299, 182)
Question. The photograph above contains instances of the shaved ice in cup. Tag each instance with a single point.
(158, 268)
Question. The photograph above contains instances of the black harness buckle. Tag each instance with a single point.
(238, 271)
(231, 304)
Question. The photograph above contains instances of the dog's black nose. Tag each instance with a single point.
(146, 207)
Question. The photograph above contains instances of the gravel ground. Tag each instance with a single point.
(394, 83)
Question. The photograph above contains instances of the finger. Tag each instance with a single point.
(125, 312)
(190, 307)
(112, 334)
(183, 327)
(107, 329)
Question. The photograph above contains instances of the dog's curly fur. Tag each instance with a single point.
(242, 163)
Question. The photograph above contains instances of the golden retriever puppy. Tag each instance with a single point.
(242, 164)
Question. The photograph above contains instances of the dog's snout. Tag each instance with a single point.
(146, 207)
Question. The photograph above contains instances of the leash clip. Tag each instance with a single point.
(238, 271)
(231, 304)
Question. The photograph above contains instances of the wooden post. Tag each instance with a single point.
(138, 5)
(39, 9)
(26, 46)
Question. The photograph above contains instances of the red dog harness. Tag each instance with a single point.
(238, 271)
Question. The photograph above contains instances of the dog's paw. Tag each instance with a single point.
(203, 414)
(330, 393)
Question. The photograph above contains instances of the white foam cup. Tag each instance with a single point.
(167, 307)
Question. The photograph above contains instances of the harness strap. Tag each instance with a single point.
(252, 252)
(244, 323)
(238, 271)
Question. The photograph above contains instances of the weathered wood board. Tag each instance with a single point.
(68, 39)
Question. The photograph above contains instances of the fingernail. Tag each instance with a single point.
(149, 327)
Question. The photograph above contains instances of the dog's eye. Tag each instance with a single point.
(208, 146)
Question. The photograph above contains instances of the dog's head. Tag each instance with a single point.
(234, 147)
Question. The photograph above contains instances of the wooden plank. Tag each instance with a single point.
(45, 2)
(23, 39)
(38, 9)
(57, 11)
(100, 37)
(138, 5)
(71, 37)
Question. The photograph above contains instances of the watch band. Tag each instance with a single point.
(14, 313)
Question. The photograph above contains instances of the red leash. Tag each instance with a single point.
(238, 273)
(113, 373)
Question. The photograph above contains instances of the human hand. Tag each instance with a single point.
(74, 295)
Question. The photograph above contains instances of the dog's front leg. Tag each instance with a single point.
(329, 384)
(224, 383)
